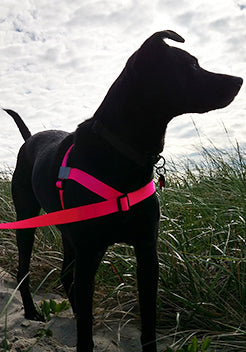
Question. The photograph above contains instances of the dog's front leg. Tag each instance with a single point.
(147, 275)
(87, 262)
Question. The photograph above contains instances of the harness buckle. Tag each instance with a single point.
(64, 172)
(62, 175)
(123, 202)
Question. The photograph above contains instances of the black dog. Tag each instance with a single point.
(118, 146)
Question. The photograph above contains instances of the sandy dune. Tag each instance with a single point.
(21, 333)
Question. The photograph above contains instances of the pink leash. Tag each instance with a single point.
(115, 201)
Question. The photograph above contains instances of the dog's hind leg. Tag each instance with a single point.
(26, 206)
(67, 273)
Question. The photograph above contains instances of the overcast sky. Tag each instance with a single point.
(59, 58)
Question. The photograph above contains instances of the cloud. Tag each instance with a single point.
(241, 4)
(59, 58)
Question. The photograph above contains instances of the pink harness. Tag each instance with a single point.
(86, 180)
(114, 202)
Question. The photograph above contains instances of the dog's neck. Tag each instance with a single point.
(132, 119)
(139, 158)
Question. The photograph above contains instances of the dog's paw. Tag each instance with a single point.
(34, 315)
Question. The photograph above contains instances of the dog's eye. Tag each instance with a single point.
(195, 66)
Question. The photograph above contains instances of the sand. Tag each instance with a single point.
(117, 336)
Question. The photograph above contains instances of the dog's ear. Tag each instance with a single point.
(151, 51)
(155, 43)
(157, 38)
(170, 35)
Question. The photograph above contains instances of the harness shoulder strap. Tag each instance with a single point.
(59, 182)
(84, 179)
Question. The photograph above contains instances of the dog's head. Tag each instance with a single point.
(169, 80)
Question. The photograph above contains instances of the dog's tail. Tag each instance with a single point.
(20, 124)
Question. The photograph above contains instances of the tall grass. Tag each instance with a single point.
(202, 254)
(202, 247)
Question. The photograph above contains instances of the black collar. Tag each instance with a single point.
(122, 147)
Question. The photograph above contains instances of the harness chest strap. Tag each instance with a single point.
(85, 212)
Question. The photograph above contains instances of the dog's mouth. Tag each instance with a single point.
(234, 87)
(238, 84)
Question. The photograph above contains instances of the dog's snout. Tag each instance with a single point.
(239, 81)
